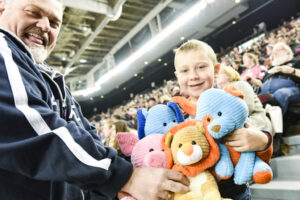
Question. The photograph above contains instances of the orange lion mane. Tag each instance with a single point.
(194, 169)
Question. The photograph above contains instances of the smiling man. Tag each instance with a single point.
(48, 150)
(36, 23)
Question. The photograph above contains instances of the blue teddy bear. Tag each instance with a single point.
(222, 112)
(159, 119)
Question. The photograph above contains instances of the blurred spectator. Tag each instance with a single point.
(108, 130)
(236, 65)
(253, 73)
(283, 77)
(151, 102)
(269, 49)
(257, 114)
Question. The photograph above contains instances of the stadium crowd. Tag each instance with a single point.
(258, 62)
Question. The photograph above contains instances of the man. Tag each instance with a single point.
(48, 150)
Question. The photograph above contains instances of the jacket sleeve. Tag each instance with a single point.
(266, 154)
(35, 142)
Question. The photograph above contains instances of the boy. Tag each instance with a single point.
(196, 68)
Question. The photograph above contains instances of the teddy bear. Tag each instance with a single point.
(159, 119)
(191, 151)
(146, 152)
(222, 112)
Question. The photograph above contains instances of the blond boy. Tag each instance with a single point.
(196, 68)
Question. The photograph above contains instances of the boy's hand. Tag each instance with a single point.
(247, 139)
(155, 183)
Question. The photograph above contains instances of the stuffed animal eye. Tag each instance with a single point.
(208, 119)
(151, 150)
(220, 114)
(180, 145)
(193, 142)
(165, 124)
(162, 150)
(174, 120)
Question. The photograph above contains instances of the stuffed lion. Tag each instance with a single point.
(192, 152)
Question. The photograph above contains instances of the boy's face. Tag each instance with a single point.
(195, 72)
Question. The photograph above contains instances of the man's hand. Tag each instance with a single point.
(247, 139)
(155, 183)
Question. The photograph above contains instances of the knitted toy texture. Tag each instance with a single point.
(146, 152)
(159, 119)
(222, 112)
(192, 151)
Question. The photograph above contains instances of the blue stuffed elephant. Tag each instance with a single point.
(222, 112)
(159, 119)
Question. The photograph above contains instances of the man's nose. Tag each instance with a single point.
(44, 24)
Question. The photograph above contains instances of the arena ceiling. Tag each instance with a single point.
(91, 28)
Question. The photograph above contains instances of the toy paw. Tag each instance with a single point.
(262, 177)
(224, 168)
(190, 196)
(224, 177)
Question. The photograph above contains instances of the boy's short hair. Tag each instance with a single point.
(232, 74)
(197, 45)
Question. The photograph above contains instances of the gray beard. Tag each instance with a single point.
(39, 54)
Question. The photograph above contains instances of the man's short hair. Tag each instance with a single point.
(197, 45)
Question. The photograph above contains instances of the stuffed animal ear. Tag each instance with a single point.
(185, 105)
(141, 121)
(232, 90)
(177, 111)
(168, 139)
(126, 142)
(199, 125)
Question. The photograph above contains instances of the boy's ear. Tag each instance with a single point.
(174, 72)
(217, 68)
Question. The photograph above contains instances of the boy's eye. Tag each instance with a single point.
(200, 66)
(184, 70)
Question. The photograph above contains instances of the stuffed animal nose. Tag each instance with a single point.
(187, 149)
(216, 128)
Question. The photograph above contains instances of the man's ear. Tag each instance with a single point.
(2, 6)
(217, 68)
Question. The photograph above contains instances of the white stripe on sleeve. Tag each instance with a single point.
(33, 116)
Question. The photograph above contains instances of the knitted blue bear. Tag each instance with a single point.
(159, 119)
(222, 112)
